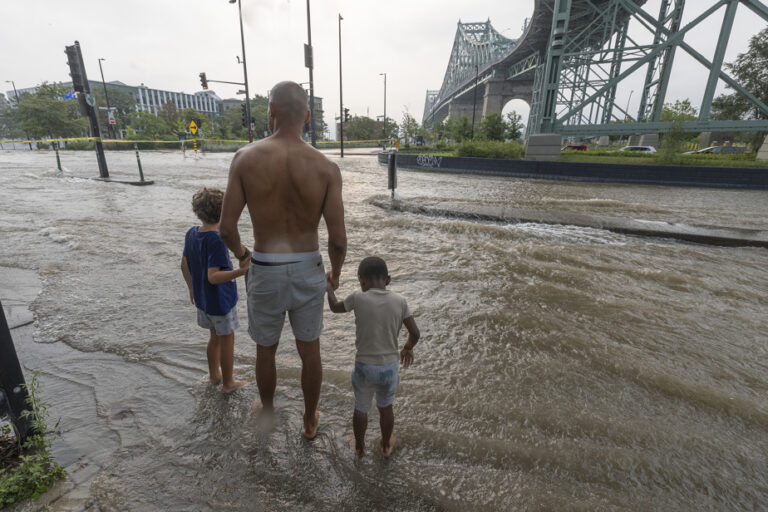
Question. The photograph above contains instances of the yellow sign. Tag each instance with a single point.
(193, 127)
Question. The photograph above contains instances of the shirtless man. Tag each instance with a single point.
(287, 185)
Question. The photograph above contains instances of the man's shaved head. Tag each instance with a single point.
(289, 101)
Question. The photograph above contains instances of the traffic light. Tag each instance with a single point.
(76, 70)
(244, 114)
(346, 115)
(203, 80)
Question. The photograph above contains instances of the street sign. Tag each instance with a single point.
(193, 127)
(90, 99)
(111, 118)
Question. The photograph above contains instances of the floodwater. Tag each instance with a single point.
(560, 368)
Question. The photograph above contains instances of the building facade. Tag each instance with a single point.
(151, 100)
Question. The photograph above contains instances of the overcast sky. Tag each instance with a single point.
(166, 44)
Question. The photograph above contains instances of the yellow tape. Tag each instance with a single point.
(47, 140)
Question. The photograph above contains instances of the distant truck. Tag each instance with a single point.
(574, 147)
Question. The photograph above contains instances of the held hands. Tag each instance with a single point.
(246, 261)
(333, 282)
(406, 357)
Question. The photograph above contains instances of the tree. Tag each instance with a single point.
(514, 126)
(751, 70)
(458, 129)
(122, 103)
(146, 125)
(410, 126)
(45, 114)
(681, 111)
(229, 125)
(492, 127)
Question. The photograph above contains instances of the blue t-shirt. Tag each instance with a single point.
(203, 250)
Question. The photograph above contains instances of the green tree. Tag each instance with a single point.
(458, 129)
(119, 100)
(514, 126)
(45, 114)
(410, 127)
(681, 111)
(361, 128)
(492, 127)
(146, 125)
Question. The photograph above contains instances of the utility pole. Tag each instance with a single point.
(341, 97)
(245, 73)
(309, 62)
(474, 103)
(16, 97)
(110, 128)
(385, 105)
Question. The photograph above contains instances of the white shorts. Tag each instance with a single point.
(221, 324)
(298, 288)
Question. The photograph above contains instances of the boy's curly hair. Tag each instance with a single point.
(206, 203)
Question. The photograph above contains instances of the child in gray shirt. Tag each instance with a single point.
(379, 315)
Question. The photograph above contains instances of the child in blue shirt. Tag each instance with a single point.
(210, 278)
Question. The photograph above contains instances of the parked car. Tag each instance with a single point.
(574, 147)
(720, 150)
(639, 149)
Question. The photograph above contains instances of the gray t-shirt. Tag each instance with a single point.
(379, 315)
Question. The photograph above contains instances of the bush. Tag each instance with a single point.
(78, 145)
(489, 149)
(33, 471)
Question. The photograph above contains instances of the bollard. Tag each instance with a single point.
(12, 382)
(58, 160)
(194, 145)
(138, 160)
(392, 172)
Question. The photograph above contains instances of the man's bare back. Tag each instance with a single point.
(285, 184)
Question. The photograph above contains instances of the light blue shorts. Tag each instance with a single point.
(378, 379)
(222, 324)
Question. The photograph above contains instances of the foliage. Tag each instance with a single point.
(672, 141)
(229, 125)
(514, 126)
(681, 111)
(365, 128)
(410, 127)
(489, 149)
(633, 157)
(750, 69)
(492, 127)
(45, 114)
(458, 129)
(35, 470)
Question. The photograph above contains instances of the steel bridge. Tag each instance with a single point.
(573, 56)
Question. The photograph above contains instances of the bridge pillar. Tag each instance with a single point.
(456, 109)
(498, 92)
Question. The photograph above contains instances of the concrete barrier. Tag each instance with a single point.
(545, 146)
(644, 174)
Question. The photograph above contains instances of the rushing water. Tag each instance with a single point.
(560, 368)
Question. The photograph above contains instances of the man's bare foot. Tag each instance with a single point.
(386, 451)
(215, 380)
(236, 384)
(353, 445)
(264, 417)
(310, 426)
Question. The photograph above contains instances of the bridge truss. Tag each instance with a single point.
(591, 52)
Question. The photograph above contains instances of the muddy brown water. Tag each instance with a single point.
(560, 368)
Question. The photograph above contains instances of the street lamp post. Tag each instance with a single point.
(341, 97)
(16, 97)
(474, 103)
(110, 128)
(309, 62)
(385, 104)
(245, 73)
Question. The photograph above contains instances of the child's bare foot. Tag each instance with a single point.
(386, 451)
(236, 384)
(310, 426)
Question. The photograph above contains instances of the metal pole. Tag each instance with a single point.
(16, 94)
(341, 96)
(245, 74)
(58, 160)
(385, 105)
(110, 128)
(138, 160)
(12, 381)
(311, 65)
(717, 61)
(474, 104)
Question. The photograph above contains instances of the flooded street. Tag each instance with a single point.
(560, 368)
